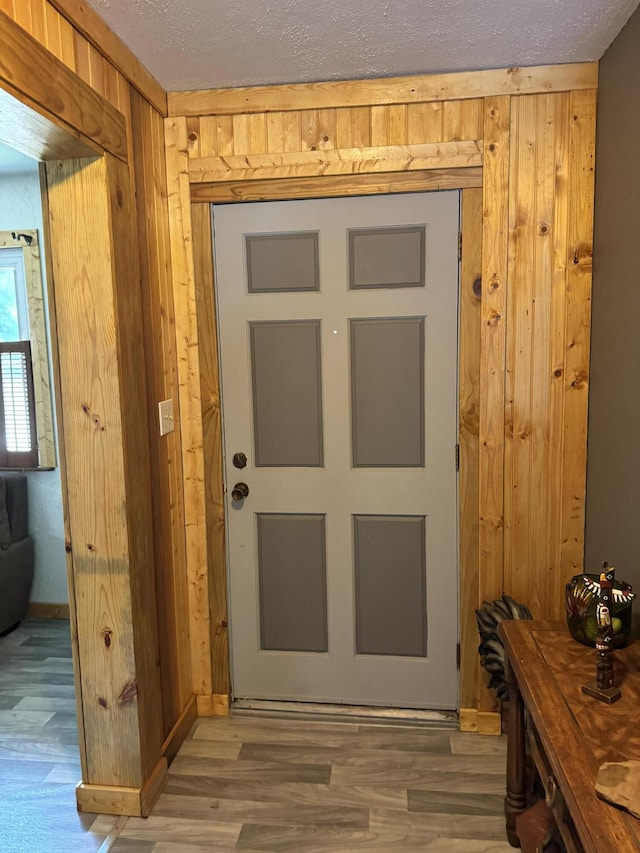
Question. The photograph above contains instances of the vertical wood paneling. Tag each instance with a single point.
(38, 20)
(81, 57)
(213, 453)
(162, 383)
(193, 136)
(398, 124)
(257, 134)
(451, 121)
(578, 323)
(492, 357)
(379, 125)
(224, 135)
(520, 306)
(309, 130)
(469, 405)
(275, 132)
(292, 132)
(241, 143)
(326, 129)
(209, 135)
(181, 238)
(557, 340)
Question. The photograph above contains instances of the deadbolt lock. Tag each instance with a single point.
(239, 460)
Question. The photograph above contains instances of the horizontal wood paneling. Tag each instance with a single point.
(384, 91)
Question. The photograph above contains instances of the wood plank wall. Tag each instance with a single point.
(524, 392)
(69, 32)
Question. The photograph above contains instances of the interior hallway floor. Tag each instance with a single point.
(243, 783)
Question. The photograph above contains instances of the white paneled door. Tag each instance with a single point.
(338, 337)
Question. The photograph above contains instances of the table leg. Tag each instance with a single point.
(515, 801)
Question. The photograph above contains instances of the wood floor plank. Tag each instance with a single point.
(467, 845)
(453, 802)
(15, 718)
(48, 703)
(287, 792)
(210, 749)
(132, 845)
(182, 831)
(464, 743)
(307, 840)
(355, 756)
(261, 771)
(414, 823)
(268, 813)
(461, 783)
(64, 774)
(324, 735)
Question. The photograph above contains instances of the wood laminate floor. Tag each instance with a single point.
(244, 783)
(39, 758)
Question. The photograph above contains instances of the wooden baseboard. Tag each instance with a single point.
(180, 730)
(133, 802)
(44, 610)
(482, 722)
(213, 705)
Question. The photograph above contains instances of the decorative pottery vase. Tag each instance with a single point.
(581, 599)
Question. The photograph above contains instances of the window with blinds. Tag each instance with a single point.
(18, 444)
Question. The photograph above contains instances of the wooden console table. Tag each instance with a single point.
(570, 734)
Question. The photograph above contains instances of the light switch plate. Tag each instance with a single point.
(165, 412)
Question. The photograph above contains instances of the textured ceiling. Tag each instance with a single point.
(199, 44)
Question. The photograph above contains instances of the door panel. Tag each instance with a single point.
(338, 336)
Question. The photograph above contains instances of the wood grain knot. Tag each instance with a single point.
(90, 547)
(119, 198)
(477, 286)
(494, 319)
(557, 372)
(67, 546)
(543, 229)
(107, 633)
(102, 702)
(193, 136)
(578, 382)
(492, 146)
(129, 692)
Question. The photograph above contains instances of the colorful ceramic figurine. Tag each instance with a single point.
(604, 688)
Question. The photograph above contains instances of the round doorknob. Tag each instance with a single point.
(240, 491)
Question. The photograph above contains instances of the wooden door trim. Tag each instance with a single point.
(280, 189)
(214, 509)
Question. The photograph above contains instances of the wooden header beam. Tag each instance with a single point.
(40, 81)
(391, 90)
(84, 19)
(337, 161)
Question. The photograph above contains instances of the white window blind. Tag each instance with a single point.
(18, 447)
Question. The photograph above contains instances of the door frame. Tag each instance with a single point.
(50, 114)
(469, 318)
